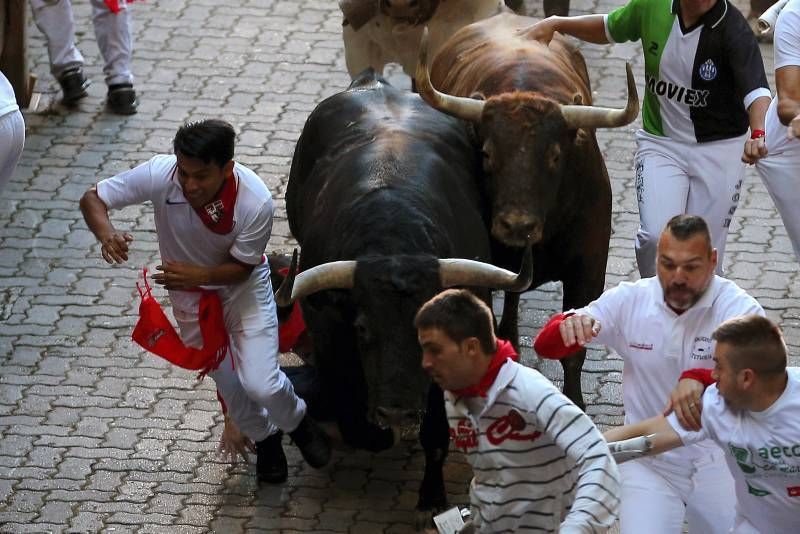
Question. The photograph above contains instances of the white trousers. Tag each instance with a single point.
(112, 30)
(674, 178)
(781, 176)
(259, 396)
(657, 495)
(12, 139)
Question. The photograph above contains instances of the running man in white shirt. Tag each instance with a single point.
(661, 327)
(539, 462)
(753, 413)
(780, 170)
(213, 218)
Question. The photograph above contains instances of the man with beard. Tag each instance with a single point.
(662, 326)
(753, 412)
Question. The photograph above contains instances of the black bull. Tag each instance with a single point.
(381, 186)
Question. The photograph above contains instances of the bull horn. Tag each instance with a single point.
(599, 117)
(331, 275)
(462, 272)
(460, 107)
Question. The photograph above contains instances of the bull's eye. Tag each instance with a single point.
(553, 156)
(362, 332)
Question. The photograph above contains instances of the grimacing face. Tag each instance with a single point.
(685, 269)
(449, 363)
(727, 377)
(200, 181)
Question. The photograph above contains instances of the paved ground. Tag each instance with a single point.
(97, 436)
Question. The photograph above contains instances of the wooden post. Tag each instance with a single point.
(13, 49)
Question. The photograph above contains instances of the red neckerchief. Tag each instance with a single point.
(505, 350)
(291, 329)
(217, 215)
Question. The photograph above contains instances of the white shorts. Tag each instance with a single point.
(674, 178)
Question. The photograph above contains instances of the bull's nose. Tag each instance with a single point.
(396, 416)
(517, 228)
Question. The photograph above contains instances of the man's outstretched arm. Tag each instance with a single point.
(114, 244)
(660, 435)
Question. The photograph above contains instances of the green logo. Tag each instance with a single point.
(742, 458)
(758, 492)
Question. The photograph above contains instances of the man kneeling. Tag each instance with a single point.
(538, 460)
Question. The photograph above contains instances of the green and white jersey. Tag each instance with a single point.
(762, 450)
(699, 80)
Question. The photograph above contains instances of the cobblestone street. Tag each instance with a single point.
(98, 436)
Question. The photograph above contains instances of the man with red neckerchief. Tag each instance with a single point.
(213, 218)
(538, 460)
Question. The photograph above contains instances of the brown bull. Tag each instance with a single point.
(531, 105)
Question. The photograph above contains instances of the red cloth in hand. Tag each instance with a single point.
(548, 344)
(701, 375)
(154, 332)
(505, 351)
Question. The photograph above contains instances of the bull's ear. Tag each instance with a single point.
(477, 96)
(577, 99)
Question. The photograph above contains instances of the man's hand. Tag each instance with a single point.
(542, 31)
(794, 127)
(180, 275)
(114, 247)
(686, 401)
(233, 443)
(580, 329)
(754, 150)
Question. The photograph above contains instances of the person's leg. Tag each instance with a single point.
(662, 187)
(649, 501)
(12, 139)
(711, 507)
(54, 19)
(113, 32)
(715, 187)
(256, 356)
(781, 176)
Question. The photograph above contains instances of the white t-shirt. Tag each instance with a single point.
(8, 101)
(763, 454)
(657, 344)
(787, 52)
(182, 236)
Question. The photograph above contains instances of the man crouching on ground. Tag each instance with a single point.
(538, 460)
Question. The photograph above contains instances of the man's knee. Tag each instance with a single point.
(264, 388)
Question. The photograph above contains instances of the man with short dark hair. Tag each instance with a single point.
(661, 327)
(535, 455)
(753, 413)
(213, 218)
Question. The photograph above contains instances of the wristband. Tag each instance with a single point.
(757, 134)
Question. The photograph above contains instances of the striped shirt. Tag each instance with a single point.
(539, 463)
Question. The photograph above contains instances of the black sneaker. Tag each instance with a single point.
(121, 99)
(271, 461)
(73, 85)
(312, 442)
